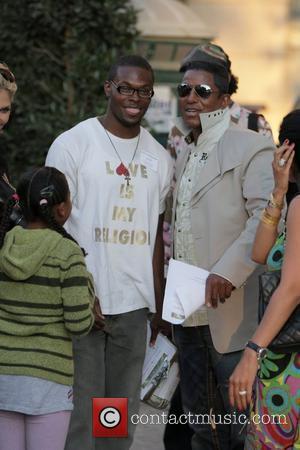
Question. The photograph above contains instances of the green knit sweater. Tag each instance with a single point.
(46, 294)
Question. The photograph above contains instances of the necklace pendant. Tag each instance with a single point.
(122, 170)
(127, 178)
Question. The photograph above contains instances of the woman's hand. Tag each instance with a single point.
(242, 379)
(283, 158)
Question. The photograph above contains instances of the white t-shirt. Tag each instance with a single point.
(115, 223)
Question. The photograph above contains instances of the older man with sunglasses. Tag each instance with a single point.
(223, 183)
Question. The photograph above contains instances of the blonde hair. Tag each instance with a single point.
(7, 80)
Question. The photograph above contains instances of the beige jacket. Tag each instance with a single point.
(226, 206)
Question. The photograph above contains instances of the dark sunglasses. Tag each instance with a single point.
(202, 90)
(7, 74)
(128, 90)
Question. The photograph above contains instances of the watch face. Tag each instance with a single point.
(262, 353)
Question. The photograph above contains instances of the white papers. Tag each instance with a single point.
(163, 393)
(185, 291)
(157, 362)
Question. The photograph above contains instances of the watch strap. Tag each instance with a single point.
(253, 346)
(261, 352)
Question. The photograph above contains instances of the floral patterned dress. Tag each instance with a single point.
(275, 411)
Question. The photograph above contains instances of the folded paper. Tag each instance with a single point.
(185, 291)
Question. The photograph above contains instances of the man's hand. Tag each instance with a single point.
(157, 325)
(99, 322)
(217, 289)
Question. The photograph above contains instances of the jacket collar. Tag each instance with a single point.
(214, 127)
(208, 121)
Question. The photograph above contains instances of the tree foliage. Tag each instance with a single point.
(60, 52)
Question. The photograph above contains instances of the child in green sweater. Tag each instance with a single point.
(46, 295)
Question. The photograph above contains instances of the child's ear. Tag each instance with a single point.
(60, 212)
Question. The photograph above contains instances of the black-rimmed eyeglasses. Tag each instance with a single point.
(128, 90)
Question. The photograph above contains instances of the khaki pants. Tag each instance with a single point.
(107, 364)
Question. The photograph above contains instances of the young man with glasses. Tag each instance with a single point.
(223, 181)
(119, 176)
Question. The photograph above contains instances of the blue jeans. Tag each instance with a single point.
(204, 375)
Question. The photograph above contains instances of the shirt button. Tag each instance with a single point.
(189, 180)
(183, 204)
(179, 256)
(179, 230)
(195, 155)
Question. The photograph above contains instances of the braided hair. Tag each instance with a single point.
(39, 190)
